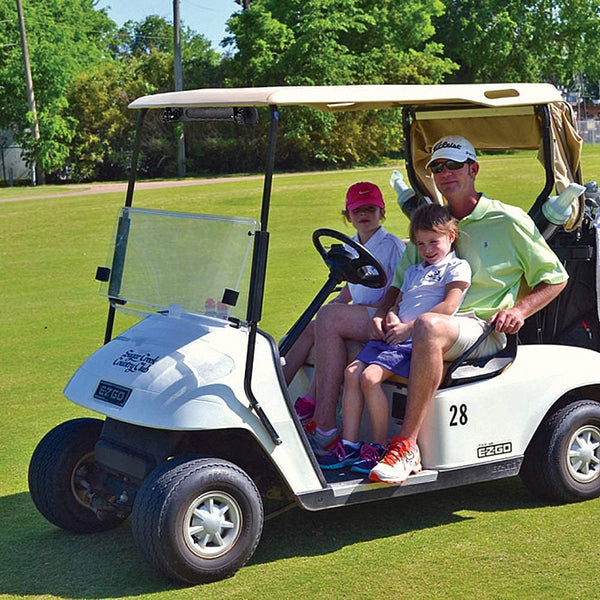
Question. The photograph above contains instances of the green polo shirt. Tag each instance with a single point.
(503, 246)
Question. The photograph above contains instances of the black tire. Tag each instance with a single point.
(562, 462)
(199, 520)
(57, 477)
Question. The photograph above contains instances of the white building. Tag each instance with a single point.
(12, 165)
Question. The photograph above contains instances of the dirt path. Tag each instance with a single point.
(107, 188)
(64, 191)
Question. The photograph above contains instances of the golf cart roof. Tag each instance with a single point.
(357, 97)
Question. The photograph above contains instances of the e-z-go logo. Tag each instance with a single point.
(133, 362)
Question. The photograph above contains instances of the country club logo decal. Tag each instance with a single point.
(135, 362)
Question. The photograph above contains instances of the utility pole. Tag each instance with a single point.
(178, 69)
(29, 84)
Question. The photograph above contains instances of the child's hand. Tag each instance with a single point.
(376, 331)
(398, 333)
(391, 320)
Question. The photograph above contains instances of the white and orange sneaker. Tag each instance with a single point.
(401, 460)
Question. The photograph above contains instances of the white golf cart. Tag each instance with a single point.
(199, 440)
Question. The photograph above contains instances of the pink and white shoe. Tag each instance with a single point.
(305, 409)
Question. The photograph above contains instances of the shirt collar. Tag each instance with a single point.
(378, 235)
(479, 211)
(450, 256)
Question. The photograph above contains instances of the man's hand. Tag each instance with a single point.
(508, 321)
(512, 319)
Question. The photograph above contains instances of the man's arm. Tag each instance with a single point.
(512, 319)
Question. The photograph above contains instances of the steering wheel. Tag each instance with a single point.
(344, 265)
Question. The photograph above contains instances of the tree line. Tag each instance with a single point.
(86, 70)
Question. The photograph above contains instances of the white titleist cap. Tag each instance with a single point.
(452, 147)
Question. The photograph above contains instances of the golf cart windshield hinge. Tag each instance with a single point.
(102, 274)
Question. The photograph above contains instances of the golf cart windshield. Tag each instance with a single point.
(178, 262)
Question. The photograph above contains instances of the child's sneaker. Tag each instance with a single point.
(341, 455)
(400, 461)
(321, 444)
(370, 455)
(305, 409)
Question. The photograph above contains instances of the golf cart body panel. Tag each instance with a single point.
(466, 423)
(194, 395)
(186, 374)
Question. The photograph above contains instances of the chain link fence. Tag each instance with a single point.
(589, 130)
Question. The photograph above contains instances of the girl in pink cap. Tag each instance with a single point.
(365, 210)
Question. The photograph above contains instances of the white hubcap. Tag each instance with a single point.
(584, 454)
(212, 524)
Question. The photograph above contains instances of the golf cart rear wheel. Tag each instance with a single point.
(59, 473)
(562, 462)
(198, 520)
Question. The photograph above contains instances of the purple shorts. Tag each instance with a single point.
(394, 358)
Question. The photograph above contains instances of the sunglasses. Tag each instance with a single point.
(451, 165)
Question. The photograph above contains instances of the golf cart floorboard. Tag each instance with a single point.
(347, 487)
(343, 477)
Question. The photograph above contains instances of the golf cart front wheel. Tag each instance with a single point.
(198, 520)
(60, 475)
(562, 462)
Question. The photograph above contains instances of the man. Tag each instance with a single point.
(503, 246)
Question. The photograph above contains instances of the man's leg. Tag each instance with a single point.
(433, 336)
(335, 324)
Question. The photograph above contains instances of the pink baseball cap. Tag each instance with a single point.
(364, 194)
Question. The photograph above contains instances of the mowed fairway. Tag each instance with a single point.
(490, 540)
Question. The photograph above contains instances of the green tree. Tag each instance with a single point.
(335, 42)
(65, 37)
(531, 40)
(101, 145)
(142, 64)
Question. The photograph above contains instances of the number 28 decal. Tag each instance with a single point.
(458, 415)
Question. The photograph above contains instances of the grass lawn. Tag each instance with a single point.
(490, 540)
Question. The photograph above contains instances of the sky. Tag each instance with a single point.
(202, 16)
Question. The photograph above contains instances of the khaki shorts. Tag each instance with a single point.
(470, 328)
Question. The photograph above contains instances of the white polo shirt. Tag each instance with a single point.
(424, 285)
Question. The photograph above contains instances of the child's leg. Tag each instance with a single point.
(298, 353)
(377, 402)
(352, 401)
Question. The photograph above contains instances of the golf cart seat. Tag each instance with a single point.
(465, 370)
